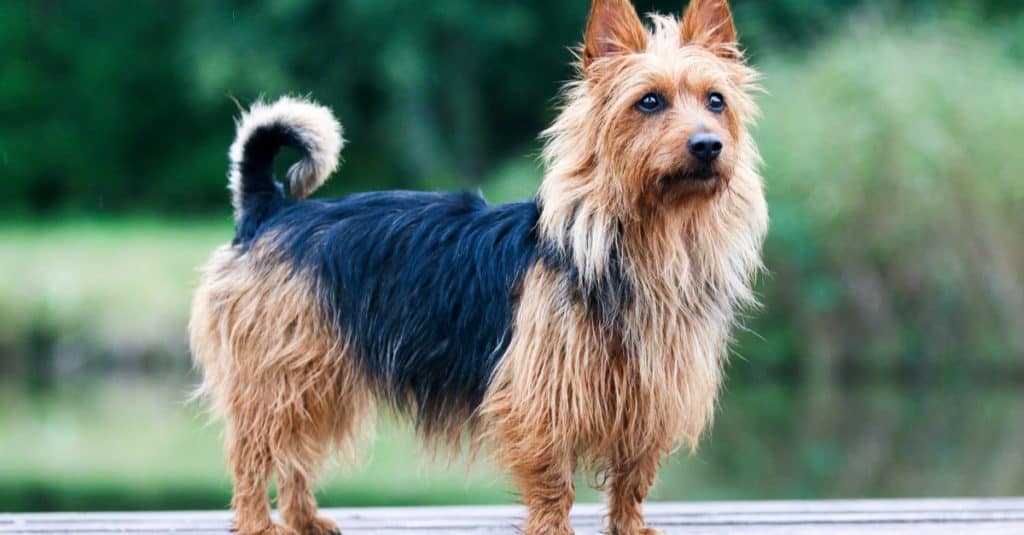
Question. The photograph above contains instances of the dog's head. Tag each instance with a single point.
(658, 115)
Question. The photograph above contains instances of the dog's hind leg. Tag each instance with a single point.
(323, 402)
(286, 432)
(296, 462)
(327, 410)
(250, 460)
(274, 366)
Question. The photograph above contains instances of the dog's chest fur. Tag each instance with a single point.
(640, 351)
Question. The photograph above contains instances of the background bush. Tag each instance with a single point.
(895, 189)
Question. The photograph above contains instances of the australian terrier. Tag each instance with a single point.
(585, 327)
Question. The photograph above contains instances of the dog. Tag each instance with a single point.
(584, 328)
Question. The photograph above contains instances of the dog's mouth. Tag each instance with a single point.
(703, 174)
(689, 182)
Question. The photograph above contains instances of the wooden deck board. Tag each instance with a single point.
(875, 517)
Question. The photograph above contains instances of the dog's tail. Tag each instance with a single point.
(303, 125)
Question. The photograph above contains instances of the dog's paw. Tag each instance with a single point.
(650, 531)
(319, 526)
(539, 528)
(274, 529)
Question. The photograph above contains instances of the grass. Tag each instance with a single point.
(123, 285)
(138, 445)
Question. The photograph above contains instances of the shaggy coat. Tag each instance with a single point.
(587, 325)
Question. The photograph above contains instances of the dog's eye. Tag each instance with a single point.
(651, 103)
(716, 102)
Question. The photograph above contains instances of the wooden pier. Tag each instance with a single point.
(868, 517)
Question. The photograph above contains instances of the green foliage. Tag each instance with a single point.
(115, 110)
(895, 188)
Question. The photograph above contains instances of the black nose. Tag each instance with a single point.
(705, 147)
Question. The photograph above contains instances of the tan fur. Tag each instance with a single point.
(274, 366)
(621, 398)
(612, 27)
(708, 23)
(615, 396)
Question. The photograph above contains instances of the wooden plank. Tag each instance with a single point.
(875, 517)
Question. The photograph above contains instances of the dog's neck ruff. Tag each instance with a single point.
(660, 288)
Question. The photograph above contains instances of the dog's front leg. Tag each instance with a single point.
(545, 482)
(632, 475)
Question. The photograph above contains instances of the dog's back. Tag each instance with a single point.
(420, 285)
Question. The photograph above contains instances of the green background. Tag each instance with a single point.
(887, 360)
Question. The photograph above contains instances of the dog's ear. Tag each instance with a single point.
(709, 23)
(613, 28)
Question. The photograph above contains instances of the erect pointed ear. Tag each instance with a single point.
(613, 28)
(709, 23)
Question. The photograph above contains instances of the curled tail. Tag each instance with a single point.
(303, 125)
